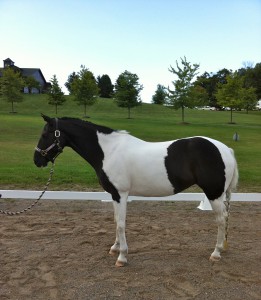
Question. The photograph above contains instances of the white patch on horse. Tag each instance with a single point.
(146, 174)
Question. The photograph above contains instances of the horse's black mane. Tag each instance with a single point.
(87, 124)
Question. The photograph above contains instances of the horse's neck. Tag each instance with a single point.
(84, 141)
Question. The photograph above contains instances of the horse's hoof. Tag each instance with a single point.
(120, 263)
(214, 258)
(113, 252)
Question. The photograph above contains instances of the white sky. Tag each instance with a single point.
(142, 36)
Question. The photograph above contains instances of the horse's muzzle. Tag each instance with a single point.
(40, 161)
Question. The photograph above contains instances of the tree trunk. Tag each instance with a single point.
(85, 110)
(12, 106)
(231, 115)
(183, 114)
(56, 108)
(129, 113)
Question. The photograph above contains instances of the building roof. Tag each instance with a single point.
(24, 71)
(31, 71)
(8, 60)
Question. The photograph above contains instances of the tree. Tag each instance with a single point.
(251, 85)
(31, 83)
(55, 94)
(84, 88)
(11, 86)
(198, 96)
(69, 81)
(249, 98)
(127, 90)
(210, 81)
(105, 86)
(233, 94)
(180, 96)
(253, 78)
(160, 95)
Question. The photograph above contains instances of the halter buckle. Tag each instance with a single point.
(44, 152)
(57, 133)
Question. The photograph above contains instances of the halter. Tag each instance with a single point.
(57, 134)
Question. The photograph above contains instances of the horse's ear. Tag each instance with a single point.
(46, 118)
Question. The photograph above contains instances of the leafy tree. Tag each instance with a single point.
(180, 96)
(160, 95)
(210, 81)
(55, 94)
(69, 81)
(253, 78)
(127, 89)
(11, 86)
(249, 98)
(84, 88)
(222, 75)
(233, 94)
(31, 83)
(105, 86)
(198, 96)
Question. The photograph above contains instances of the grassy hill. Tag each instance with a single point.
(19, 134)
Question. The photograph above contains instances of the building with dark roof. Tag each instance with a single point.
(36, 73)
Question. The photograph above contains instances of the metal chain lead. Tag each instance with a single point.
(13, 213)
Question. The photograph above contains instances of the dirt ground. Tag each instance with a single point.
(60, 251)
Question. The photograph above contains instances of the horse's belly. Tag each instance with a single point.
(140, 170)
(151, 191)
(153, 185)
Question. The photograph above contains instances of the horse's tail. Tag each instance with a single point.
(232, 187)
(234, 181)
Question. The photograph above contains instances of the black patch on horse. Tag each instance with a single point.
(109, 187)
(89, 125)
(196, 161)
(90, 149)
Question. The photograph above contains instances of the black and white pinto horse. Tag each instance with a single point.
(126, 165)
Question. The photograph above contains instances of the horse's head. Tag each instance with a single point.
(51, 143)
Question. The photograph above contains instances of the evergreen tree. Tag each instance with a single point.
(11, 86)
(160, 95)
(69, 81)
(105, 86)
(55, 94)
(127, 90)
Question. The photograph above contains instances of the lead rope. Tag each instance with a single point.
(13, 213)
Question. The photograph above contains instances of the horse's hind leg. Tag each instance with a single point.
(120, 245)
(220, 210)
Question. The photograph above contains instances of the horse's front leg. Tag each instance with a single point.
(120, 245)
(115, 248)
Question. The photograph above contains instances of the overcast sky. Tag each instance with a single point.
(142, 36)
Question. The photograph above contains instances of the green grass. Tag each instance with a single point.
(19, 134)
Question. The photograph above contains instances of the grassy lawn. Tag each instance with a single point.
(19, 134)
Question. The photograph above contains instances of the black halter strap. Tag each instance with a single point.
(56, 142)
